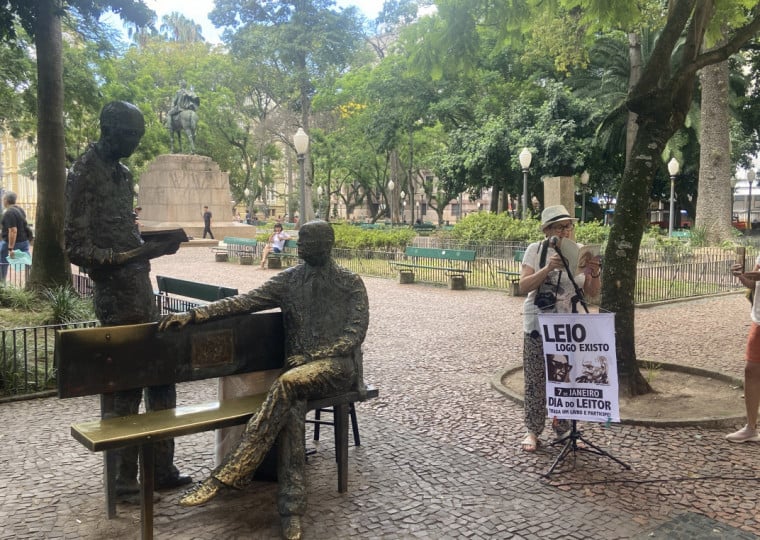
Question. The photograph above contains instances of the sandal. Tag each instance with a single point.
(529, 443)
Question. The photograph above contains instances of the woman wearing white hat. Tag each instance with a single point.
(544, 279)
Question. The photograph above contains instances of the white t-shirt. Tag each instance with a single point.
(278, 240)
(564, 293)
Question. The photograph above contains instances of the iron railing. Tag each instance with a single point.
(663, 274)
(26, 358)
(16, 274)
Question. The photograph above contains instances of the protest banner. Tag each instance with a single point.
(581, 366)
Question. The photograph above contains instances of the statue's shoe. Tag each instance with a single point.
(202, 493)
(291, 527)
(174, 481)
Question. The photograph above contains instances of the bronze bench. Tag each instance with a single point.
(107, 359)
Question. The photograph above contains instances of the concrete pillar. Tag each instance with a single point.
(560, 190)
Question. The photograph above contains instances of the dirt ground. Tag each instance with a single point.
(678, 397)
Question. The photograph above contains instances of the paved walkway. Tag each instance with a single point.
(439, 455)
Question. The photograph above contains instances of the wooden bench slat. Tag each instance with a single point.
(193, 289)
(97, 435)
(446, 269)
(111, 433)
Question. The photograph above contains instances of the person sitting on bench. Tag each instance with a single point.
(326, 313)
(276, 243)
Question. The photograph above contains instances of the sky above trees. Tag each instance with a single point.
(198, 11)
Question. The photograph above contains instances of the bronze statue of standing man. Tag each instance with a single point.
(101, 237)
(326, 313)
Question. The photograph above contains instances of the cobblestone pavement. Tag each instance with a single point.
(440, 451)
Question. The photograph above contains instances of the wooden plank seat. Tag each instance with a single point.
(108, 359)
(237, 248)
(170, 288)
(424, 229)
(286, 257)
(454, 263)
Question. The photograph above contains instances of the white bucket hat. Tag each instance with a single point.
(553, 214)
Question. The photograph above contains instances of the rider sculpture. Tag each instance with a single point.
(182, 117)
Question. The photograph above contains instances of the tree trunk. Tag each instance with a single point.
(713, 215)
(50, 268)
(622, 252)
(634, 55)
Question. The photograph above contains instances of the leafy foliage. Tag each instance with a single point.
(67, 306)
(353, 237)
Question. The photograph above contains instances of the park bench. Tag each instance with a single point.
(424, 229)
(109, 359)
(232, 247)
(514, 275)
(170, 288)
(454, 263)
(289, 254)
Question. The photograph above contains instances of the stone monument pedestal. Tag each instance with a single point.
(175, 188)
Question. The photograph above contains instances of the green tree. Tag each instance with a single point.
(307, 40)
(42, 22)
(661, 99)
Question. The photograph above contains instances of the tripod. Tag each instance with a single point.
(571, 445)
(575, 435)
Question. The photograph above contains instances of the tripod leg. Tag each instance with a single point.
(594, 449)
(562, 455)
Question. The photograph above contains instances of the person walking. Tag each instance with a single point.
(749, 433)
(549, 290)
(207, 222)
(14, 232)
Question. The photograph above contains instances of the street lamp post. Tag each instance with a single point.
(320, 192)
(673, 167)
(751, 175)
(525, 159)
(733, 197)
(301, 142)
(402, 195)
(584, 186)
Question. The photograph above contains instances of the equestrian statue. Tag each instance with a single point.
(183, 118)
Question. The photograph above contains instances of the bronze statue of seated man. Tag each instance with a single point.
(326, 314)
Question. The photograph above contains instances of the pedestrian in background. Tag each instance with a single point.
(207, 222)
(14, 232)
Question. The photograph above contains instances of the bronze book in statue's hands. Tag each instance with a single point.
(164, 235)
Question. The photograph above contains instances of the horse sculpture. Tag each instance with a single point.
(184, 121)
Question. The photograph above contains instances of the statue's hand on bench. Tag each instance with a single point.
(175, 320)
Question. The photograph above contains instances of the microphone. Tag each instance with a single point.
(554, 243)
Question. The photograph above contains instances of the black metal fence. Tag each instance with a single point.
(16, 274)
(663, 274)
(26, 358)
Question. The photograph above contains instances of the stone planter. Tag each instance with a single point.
(405, 276)
(457, 283)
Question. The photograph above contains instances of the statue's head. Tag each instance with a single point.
(315, 242)
(121, 127)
